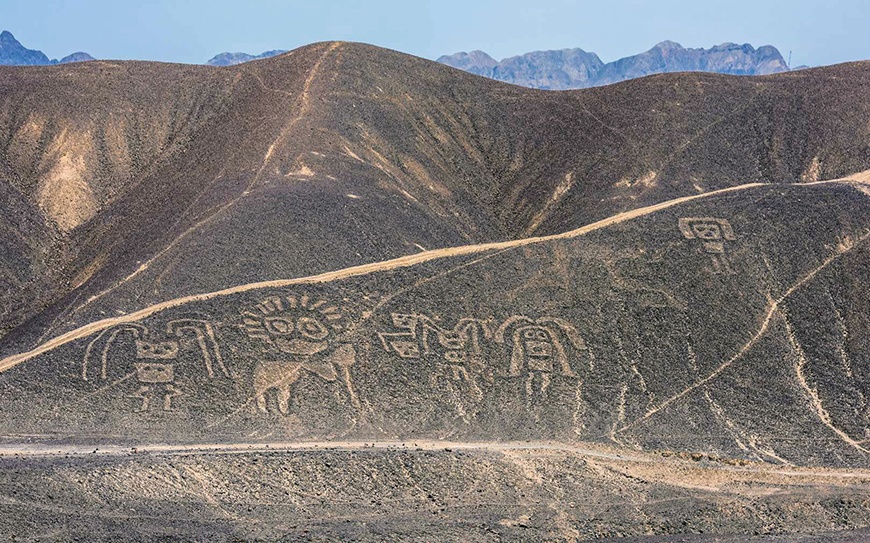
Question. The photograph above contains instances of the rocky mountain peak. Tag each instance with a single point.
(79, 56)
(476, 61)
(13, 53)
(668, 45)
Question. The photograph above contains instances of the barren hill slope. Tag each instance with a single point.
(676, 368)
(147, 176)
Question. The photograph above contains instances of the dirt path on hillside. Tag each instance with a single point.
(530, 448)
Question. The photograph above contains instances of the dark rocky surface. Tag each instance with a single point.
(578, 69)
(630, 333)
(623, 380)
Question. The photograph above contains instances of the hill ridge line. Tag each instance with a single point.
(364, 269)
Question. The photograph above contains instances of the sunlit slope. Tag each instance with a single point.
(732, 323)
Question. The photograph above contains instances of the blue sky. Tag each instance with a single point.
(193, 31)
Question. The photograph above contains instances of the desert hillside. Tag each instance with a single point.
(349, 293)
(136, 172)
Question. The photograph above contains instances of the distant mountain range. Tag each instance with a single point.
(576, 68)
(231, 59)
(12, 53)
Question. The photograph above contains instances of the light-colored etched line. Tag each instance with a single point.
(812, 393)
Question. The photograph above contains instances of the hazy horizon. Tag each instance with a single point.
(816, 33)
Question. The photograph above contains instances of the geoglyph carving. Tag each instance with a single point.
(713, 233)
(154, 368)
(303, 331)
(539, 348)
(422, 335)
(457, 348)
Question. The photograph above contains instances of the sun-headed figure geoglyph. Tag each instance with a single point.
(299, 336)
